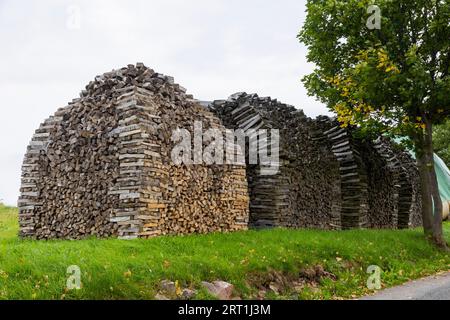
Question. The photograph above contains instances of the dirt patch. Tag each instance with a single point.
(286, 283)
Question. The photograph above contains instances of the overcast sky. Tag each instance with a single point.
(50, 49)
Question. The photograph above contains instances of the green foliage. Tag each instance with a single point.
(115, 269)
(441, 137)
(395, 79)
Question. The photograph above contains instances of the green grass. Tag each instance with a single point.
(114, 269)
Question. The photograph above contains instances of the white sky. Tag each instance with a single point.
(212, 47)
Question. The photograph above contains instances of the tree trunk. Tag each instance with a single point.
(438, 236)
(427, 200)
(431, 200)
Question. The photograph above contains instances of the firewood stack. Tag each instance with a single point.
(306, 190)
(383, 170)
(394, 185)
(102, 166)
(410, 200)
(328, 179)
(354, 202)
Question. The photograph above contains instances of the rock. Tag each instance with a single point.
(161, 297)
(188, 294)
(298, 286)
(168, 287)
(320, 271)
(275, 287)
(309, 274)
(220, 289)
(262, 294)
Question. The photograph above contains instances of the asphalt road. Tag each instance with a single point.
(431, 288)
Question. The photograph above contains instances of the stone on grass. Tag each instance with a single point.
(219, 289)
(188, 294)
(168, 287)
(161, 297)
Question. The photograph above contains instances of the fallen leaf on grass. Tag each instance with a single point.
(127, 274)
(178, 289)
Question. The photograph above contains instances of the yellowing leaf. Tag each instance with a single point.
(178, 289)
(127, 274)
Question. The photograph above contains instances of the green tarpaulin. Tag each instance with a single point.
(443, 175)
(442, 172)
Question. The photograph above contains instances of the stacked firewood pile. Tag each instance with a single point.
(327, 178)
(354, 203)
(410, 200)
(394, 185)
(383, 183)
(305, 192)
(102, 166)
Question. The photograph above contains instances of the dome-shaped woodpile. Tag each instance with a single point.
(305, 191)
(103, 166)
(327, 179)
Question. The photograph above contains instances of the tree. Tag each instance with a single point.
(441, 138)
(384, 69)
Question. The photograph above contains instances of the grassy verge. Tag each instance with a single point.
(276, 263)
